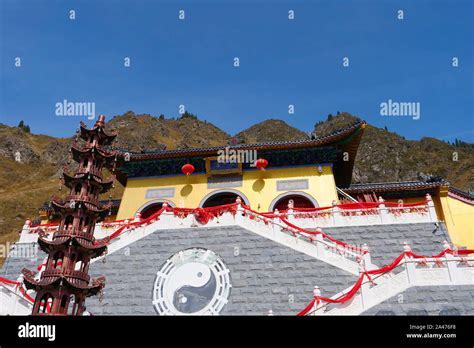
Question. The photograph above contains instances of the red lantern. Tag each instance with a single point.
(187, 169)
(261, 163)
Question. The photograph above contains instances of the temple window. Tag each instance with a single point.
(46, 303)
(78, 265)
(221, 198)
(77, 189)
(58, 260)
(68, 222)
(299, 201)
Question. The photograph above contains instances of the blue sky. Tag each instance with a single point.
(282, 62)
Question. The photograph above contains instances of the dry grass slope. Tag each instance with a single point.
(382, 156)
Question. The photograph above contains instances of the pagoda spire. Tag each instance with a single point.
(62, 287)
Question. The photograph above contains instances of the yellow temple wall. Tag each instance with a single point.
(259, 187)
(459, 218)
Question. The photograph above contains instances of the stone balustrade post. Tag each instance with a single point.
(337, 218)
(138, 217)
(317, 304)
(409, 266)
(364, 287)
(240, 211)
(431, 208)
(383, 213)
(290, 212)
(25, 231)
(451, 263)
(276, 222)
(319, 243)
(367, 258)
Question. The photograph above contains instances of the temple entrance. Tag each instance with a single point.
(299, 201)
(221, 198)
(151, 209)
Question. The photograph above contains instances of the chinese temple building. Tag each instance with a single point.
(271, 227)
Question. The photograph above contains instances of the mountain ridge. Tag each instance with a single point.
(382, 156)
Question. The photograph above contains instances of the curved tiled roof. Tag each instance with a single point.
(346, 140)
(394, 186)
(463, 195)
(330, 138)
(409, 186)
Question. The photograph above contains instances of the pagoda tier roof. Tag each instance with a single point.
(67, 278)
(92, 207)
(81, 240)
(105, 137)
(340, 141)
(115, 204)
(71, 180)
(77, 152)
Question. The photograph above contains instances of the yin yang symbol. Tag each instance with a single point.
(192, 282)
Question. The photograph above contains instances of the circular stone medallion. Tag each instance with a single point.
(192, 282)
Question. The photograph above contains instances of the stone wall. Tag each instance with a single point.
(265, 275)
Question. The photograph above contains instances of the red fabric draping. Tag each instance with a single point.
(205, 214)
(385, 269)
(202, 215)
(334, 240)
(308, 308)
(17, 284)
(364, 205)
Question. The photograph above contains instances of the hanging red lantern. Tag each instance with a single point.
(261, 163)
(187, 169)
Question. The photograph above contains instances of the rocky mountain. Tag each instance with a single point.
(148, 133)
(31, 180)
(387, 156)
(270, 130)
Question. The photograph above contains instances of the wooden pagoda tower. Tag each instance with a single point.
(64, 284)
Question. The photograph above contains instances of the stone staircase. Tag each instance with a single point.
(453, 270)
(447, 270)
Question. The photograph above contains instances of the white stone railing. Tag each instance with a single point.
(273, 229)
(333, 216)
(13, 301)
(378, 215)
(431, 271)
